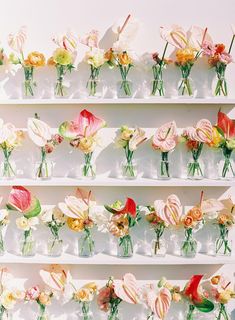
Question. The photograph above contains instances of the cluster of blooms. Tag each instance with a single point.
(188, 45)
(81, 214)
(157, 297)
(82, 134)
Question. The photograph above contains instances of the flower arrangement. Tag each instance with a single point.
(10, 138)
(4, 221)
(63, 59)
(84, 296)
(191, 222)
(220, 289)
(34, 59)
(95, 57)
(219, 58)
(41, 135)
(122, 219)
(54, 219)
(20, 199)
(196, 299)
(224, 138)
(77, 209)
(129, 140)
(189, 48)
(160, 216)
(10, 295)
(196, 137)
(3, 57)
(116, 291)
(82, 134)
(165, 139)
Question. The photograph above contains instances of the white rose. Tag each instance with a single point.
(7, 299)
(23, 224)
(3, 214)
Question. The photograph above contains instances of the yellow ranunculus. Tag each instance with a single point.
(126, 133)
(124, 58)
(62, 57)
(92, 286)
(87, 144)
(36, 59)
(75, 224)
(224, 296)
(216, 138)
(83, 295)
(7, 299)
(44, 299)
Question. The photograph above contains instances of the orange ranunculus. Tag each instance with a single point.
(223, 219)
(214, 60)
(220, 47)
(36, 59)
(183, 56)
(75, 224)
(51, 62)
(109, 56)
(188, 221)
(215, 280)
(191, 144)
(124, 58)
(196, 214)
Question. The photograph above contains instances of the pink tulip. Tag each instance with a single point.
(20, 198)
(165, 138)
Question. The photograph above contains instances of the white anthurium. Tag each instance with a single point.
(7, 132)
(197, 36)
(137, 138)
(175, 35)
(74, 207)
(126, 28)
(16, 41)
(39, 131)
(211, 208)
(3, 214)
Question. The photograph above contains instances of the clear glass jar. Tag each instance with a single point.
(164, 170)
(223, 246)
(129, 169)
(5, 314)
(125, 247)
(195, 170)
(86, 244)
(43, 314)
(29, 85)
(226, 166)
(55, 247)
(189, 248)
(157, 88)
(2, 246)
(114, 314)
(125, 89)
(158, 248)
(88, 168)
(8, 169)
(186, 88)
(85, 312)
(44, 169)
(95, 88)
(27, 244)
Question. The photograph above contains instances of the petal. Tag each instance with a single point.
(38, 131)
(88, 123)
(20, 198)
(174, 35)
(226, 124)
(127, 289)
(69, 130)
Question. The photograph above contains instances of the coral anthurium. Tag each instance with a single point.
(129, 208)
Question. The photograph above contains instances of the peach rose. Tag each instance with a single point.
(188, 221)
(36, 59)
(124, 58)
(119, 226)
(215, 280)
(196, 214)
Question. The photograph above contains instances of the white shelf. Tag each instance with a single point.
(104, 259)
(112, 182)
(90, 101)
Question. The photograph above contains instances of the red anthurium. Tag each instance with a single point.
(192, 292)
(226, 125)
(88, 124)
(129, 208)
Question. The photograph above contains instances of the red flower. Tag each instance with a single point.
(226, 125)
(129, 208)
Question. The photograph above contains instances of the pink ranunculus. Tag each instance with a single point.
(20, 198)
(165, 138)
(208, 49)
(225, 58)
(32, 293)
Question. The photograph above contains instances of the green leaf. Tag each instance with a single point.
(109, 209)
(66, 132)
(35, 209)
(205, 306)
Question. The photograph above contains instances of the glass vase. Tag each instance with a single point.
(86, 244)
(8, 169)
(186, 88)
(61, 89)
(223, 246)
(95, 88)
(29, 84)
(88, 169)
(114, 313)
(222, 313)
(85, 312)
(27, 244)
(158, 248)
(150, 316)
(157, 84)
(55, 247)
(226, 166)
(44, 169)
(125, 89)
(2, 246)
(43, 315)
(221, 88)
(194, 170)
(190, 312)
(125, 247)
(164, 170)
(189, 245)
(129, 169)
(5, 314)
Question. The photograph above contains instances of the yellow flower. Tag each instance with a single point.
(126, 133)
(51, 62)
(231, 144)
(23, 223)
(183, 56)
(83, 295)
(224, 297)
(216, 138)
(92, 286)
(75, 224)
(124, 58)
(62, 57)
(119, 226)
(87, 144)
(36, 59)
(176, 297)
(44, 299)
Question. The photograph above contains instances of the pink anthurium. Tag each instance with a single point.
(170, 211)
(21, 199)
(129, 208)
(160, 302)
(175, 35)
(127, 288)
(56, 277)
(165, 138)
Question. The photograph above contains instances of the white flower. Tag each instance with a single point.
(17, 41)
(95, 57)
(7, 133)
(7, 299)
(46, 215)
(75, 207)
(4, 216)
(39, 132)
(126, 28)
(101, 218)
(26, 224)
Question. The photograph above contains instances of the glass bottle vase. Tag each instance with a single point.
(129, 169)
(86, 244)
(95, 88)
(44, 169)
(29, 84)
(88, 168)
(189, 245)
(2, 246)
(27, 244)
(223, 246)
(55, 247)
(164, 169)
(113, 314)
(186, 88)
(125, 89)
(85, 311)
(125, 247)
(8, 169)
(226, 166)
(158, 248)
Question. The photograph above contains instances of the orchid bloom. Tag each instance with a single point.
(170, 211)
(91, 39)
(85, 125)
(226, 125)
(17, 41)
(39, 132)
(21, 199)
(127, 289)
(137, 138)
(56, 277)
(195, 297)
(77, 206)
(202, 132)
(129, 208)
(165, 137)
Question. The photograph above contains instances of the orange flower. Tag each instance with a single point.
(51, 62)
(215, 280)
(75, 224)
(184, 56)
(191, 144)
(220, 47)
(216, 138)
(196, 214)
(109, 56)
(188, 221)
(119, 225)
(36, 59)
(153, 218)
(225, 219)
(124, 58)
(214, 60)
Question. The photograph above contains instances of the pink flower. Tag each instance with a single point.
(202, 132)
(225, 58)
(127, 289)
(208, 49)
(17, 41)
(91, 39)
(32, 293)
(104, 297)
(165, 138)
